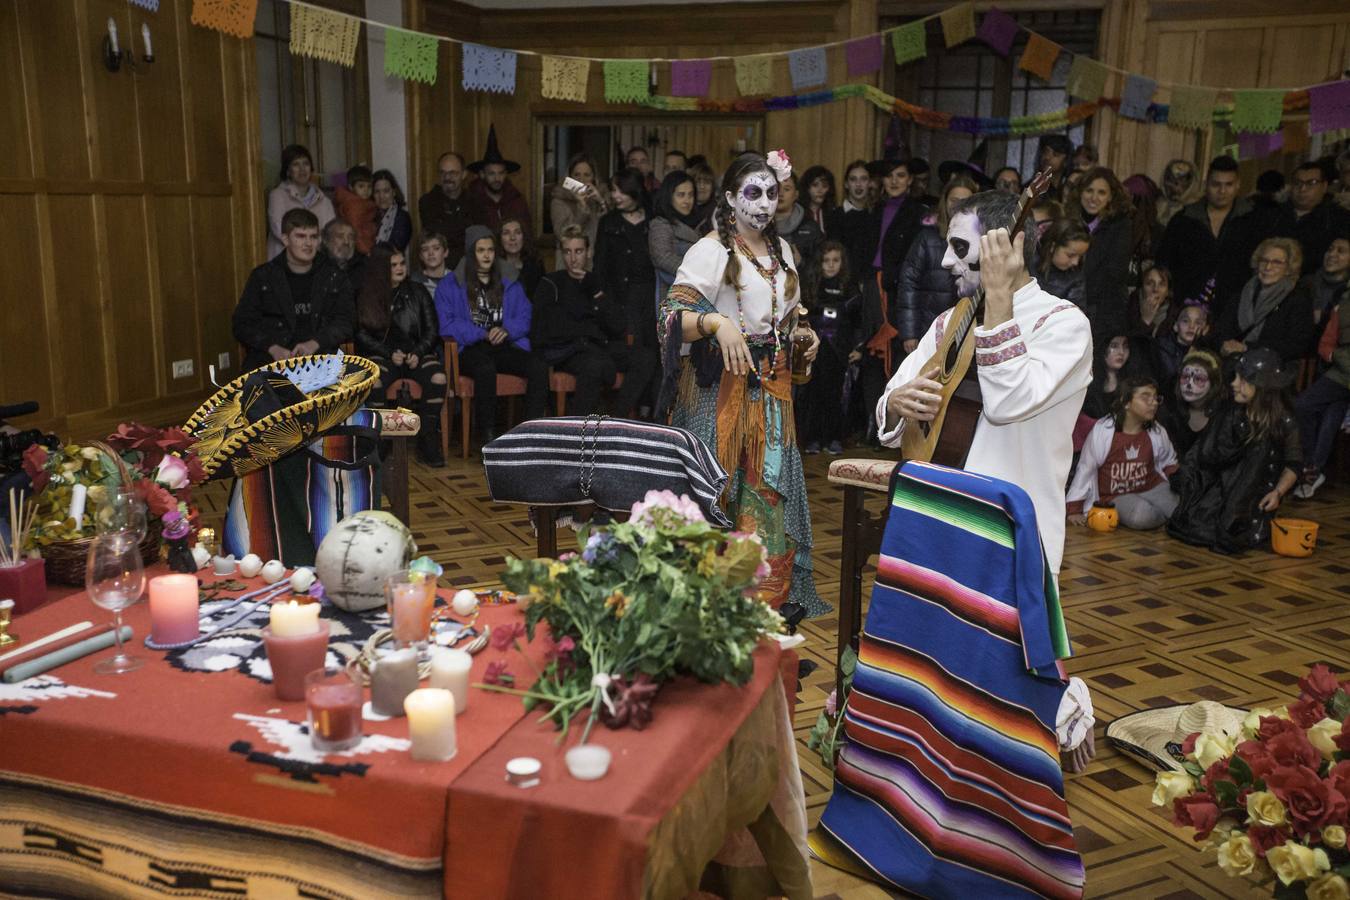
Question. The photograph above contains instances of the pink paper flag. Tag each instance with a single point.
(1254, 145)
(863, 55)
(998, 30)
(690, 77)
(1329, 107)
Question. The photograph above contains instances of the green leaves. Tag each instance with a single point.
(1339, 705)
(1238, 768)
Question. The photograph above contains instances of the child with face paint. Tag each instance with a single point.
(1195, 399)
(1190, 325)
(736, 300)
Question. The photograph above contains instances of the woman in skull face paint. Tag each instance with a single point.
(735, 300)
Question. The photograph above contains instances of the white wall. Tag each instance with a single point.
(388, 115)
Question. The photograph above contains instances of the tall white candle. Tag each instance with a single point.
(431, 724)
(145, 37)
(450, 671)
(112, 34)
(78, 494)
(292, 619)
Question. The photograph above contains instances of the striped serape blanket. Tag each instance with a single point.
(949, 782)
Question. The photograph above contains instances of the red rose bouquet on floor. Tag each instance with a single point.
(1275, 798)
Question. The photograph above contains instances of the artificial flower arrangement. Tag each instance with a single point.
(660, 595)
(1274, 799)
(160, 462)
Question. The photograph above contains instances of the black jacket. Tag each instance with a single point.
(851, 228)
(266, 316)
(895, 243)
(622, 256)
(1191, 252)
(1070, 285)
(413, 326)
(1314, 231)
(1106, 275)
(802, 232)
(925, 288)
(1289, 329)
(570, 313)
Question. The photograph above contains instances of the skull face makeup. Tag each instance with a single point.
(755, 202)
(1194, 383)
(962, 258)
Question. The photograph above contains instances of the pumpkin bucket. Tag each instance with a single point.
(1293, 537)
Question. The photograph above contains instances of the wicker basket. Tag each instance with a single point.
(66, 561)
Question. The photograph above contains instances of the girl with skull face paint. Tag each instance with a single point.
(1196, 398)
(735, 300)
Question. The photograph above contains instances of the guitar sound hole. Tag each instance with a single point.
(949, 361)
(926, 428)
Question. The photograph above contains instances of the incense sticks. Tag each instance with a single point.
(21, 518)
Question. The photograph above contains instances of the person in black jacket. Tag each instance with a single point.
(1309, 217)
(1210, 238)
(579, 330)
(926, 289)
(1104, 206)
(831, 300)
(295, 304)
(895, 223)
(850, 222)
(397, 329)
(794, 225)
(623, 263)
(1272, 310)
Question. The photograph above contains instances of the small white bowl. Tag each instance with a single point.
(224, 565)
(588, 762)
(523, 771)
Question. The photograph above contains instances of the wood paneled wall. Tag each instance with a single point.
(131, 210)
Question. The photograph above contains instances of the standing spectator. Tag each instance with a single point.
(1343, 180)
(1060, 255)
(1210, 238)
(395, 225)
(397, 329)
(638, 158)
(675, 227)
(295, 304)
(1053, 152)
(1196, 399)
(580, 330)
(1145, 230)
(1008, 180)
(1309, 217)
(793, 224)
(356, 208)
(297, 190)
(920, 173)
(820, 196)
(578, 206)
(489, 319)
(926, 288)
(339, 246)
(831, 301)
(1272, 310)
(519, 262)
(705, 189)
(624, 263)
(1327, 285)
(1180, 188)
(1100, 200)
(851, 221)
(433, 256)
(445, 208)
(1084, 158)
(675, 161)
(492, 197)
(1151, 305)
(1321, 408)
(1269, 191)
(894, 223)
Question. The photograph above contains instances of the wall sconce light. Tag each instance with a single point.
(112, 53)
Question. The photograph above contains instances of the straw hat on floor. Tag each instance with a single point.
(1154, 736)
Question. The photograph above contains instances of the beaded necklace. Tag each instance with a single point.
(770, 275)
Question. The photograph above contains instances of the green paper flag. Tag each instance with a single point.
(627, 80)
(754, 75)
(1192, 107)
(409, 55)
(1257, 110)
(1087, 79)
(910, 42)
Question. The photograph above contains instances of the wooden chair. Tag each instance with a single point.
(461, 386)
(563, 383)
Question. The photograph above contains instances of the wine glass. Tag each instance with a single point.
(123, 511)
(115, 578)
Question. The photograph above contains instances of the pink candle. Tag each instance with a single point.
(410, 611)
(292, 657)
(173, 609)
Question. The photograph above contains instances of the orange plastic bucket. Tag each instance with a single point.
(1293, 537)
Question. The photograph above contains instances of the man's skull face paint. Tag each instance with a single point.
(962, 258)
(1194, 383)
(754, 204)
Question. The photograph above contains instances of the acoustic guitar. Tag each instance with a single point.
(946, 439)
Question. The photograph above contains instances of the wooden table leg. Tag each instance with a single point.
(546, 536)
(396, 479)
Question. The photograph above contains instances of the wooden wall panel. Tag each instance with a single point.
(178, 288)
(131, 307)
(160, 97)
(26, 372)
(1232, 57)
(215, 288)
(14, 137)
(50, 33)
(1300, 54)
(207, 71)
(116, 136)
(78, 345)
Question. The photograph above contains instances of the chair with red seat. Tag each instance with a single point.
(508, 386)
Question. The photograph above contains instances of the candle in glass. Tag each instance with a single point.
(450, 671)
(333, 708)
(173, 609)
(411, 597)
(393, 679)
(294, 653)
(431, 724)
(290, 619)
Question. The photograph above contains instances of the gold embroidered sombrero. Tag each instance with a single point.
(276, 409)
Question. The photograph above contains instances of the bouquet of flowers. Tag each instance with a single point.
(662, 594)
(1274, 799)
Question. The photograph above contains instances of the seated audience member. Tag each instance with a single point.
(1327, 285)
(1168, 350)
(518, 260)
(1126, 461)
(397, 329)
(850, 222)
(1100, 202)
(1008, 180)
(295, 304)
(675, 227)
(1239, 470)
(1060, 260)
(493, 198)
(298, 190)
(445, 208)
(578, 206)
(1045, 211)
(1309, 217)
(926, 289)
(1150, 307)
(579, 330)
(433, 257)
(355, 206)
(793, 224)
(819, 196)
(394, 225)
(831, 299)
(339, 246)
(1114, 362)
(1322, 407)
(1272, 310)
(489, 318)
(705, 188)
(1210, 237)
(1198, 394)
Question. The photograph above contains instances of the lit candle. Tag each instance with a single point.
(112, 34)
(394, 678)
(411, 611)
(173, 609)
(450, 671)
(145, 37)
(78, 494)
(292, 619)
(431, 724)
(292, 657)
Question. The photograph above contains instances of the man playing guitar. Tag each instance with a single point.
(1033, 356)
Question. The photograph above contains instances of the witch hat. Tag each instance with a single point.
(974, 166)
(493, 155)
(894, 150)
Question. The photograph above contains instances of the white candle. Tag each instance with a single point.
(112, 34)
(450, 671)
(431, 724)
(292, 619)
(145, 36)
(78, 494)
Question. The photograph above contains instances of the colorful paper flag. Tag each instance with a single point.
(1257, 110)
(807, 67)
(1136, 97)
(909, 42)
(409, 55)
(234, 17)
(998, 30)
(1329, 107)
(1087, 79)
(1039, 55)
(1258, 146)
(1192, 107)
(152, 5)
(863, 56)
(488, 69)
(690, 77)
(324, 34)
(1295, 136)
(958, 24)
(754, 75)
(564, 78)
(627, 80)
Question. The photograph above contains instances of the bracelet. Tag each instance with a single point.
(698, 325)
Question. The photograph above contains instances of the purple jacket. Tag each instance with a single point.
(452, 308)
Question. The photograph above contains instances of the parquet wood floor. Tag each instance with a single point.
(1152, 622)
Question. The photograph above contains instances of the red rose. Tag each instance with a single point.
(35, 464)
(1338, 776)
(1197, 811)
(1312, 802)
(1216, 772)
(1292, 748)
(158, 501)
(1273, 725)
(1264, 837)
(1308, 712)
(1188, 745)
(1318, 684)
(1257, 757)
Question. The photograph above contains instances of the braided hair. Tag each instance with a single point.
(724, 219)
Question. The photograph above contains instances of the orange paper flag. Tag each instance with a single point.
(1039, 56)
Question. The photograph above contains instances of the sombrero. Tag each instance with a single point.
(1154, 736)
(276, 409)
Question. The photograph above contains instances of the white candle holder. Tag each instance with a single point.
(588, 762)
